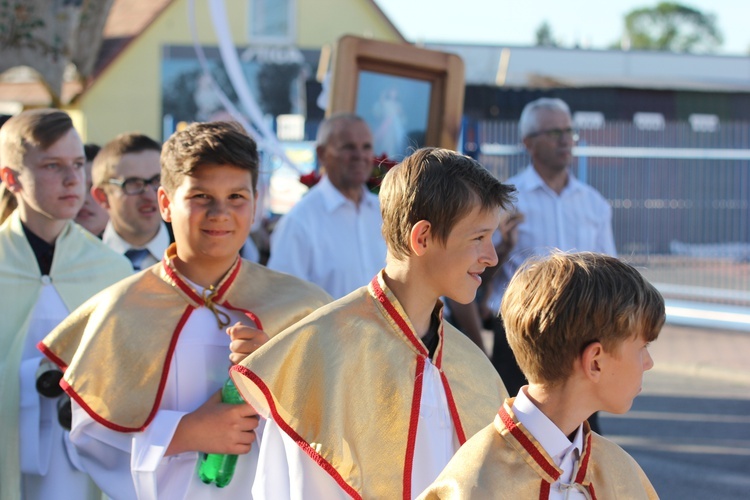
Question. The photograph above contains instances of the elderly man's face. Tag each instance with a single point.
(347, 156)
(551, 145)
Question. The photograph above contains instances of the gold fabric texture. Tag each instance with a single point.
(341, 383)
(498, 463)
(118, 345)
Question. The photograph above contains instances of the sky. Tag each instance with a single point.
(592, 23)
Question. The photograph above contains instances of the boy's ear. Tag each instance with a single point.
(100, 196)
(10, 179)
(164, 204)
(591, 361)
(419, 237)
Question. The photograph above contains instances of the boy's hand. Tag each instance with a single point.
(245, 340)
(216, 427)
(509, 232)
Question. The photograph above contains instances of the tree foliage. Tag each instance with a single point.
(544, 37)
(673, 27)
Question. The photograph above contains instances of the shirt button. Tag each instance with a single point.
(46, 280)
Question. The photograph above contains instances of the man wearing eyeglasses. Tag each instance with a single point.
(553, 210)
(126, 175)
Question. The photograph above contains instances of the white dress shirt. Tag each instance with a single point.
(155, 247)
(329, 240)
(578, 219)
(563, 452)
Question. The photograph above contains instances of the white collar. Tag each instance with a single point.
(155, 247)
(529, 180)
(550, 437)
(333, 198)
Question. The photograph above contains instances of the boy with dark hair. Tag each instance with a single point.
(48, 267)
(145, 358)
(370, 396)
(579, 326)
(125, 177)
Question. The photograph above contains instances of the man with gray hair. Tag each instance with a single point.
(332, 236)
(555, 210)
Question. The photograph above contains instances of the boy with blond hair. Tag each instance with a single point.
(48, 266)
(579, 326)
(146, 358)
(371, 395)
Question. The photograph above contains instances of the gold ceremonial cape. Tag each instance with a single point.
(116, 348)
(504, 461)
(345, 383)
(82, 266)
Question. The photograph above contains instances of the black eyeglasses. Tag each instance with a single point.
(136, 185)
(557, 133)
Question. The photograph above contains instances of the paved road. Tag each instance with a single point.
(690, 428)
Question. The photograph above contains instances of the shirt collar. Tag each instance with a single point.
(333, 198)
(529, 180)
(155, 247)
(550, 437)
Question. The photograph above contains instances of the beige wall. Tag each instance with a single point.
(127, 94)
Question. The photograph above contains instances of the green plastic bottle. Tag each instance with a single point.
(215, 467)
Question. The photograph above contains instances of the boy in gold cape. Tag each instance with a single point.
(371, 395)
(145, 358)
(579, 326)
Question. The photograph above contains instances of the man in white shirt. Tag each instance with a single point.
(126, 175)
(558, 210)
(332, 236)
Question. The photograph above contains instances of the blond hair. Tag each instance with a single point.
(38, 128)
(557, 305)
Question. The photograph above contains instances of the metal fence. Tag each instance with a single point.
(680, 199)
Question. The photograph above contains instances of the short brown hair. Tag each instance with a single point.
(439, 186)
(219, 143)
(555, 306)
(106, 160)
(39, 128)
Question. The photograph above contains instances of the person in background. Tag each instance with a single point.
(48, 267)
(332, 236)
(91, 215)
(126, 176)
(558, 212)
(579, 325)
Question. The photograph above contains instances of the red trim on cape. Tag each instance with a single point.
(411, 440)
(159, 391)
(544, 490)
(304, 445)
(52, 357)
(532, 450)
(187, 290)
(255, 319)
(457, 426)
(381, 297)
(584, 460)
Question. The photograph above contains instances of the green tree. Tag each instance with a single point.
(544, 37)
(673, 27)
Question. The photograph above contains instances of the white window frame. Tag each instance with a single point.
(285, 39)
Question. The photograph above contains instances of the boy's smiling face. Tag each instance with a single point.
(455, 267)
(622, 375)
(211, 213)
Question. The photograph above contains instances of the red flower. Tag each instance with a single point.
(310, 179)
(381, 166)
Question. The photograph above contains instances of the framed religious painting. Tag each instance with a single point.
(410, 97)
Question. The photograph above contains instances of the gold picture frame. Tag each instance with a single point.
(400, 90)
